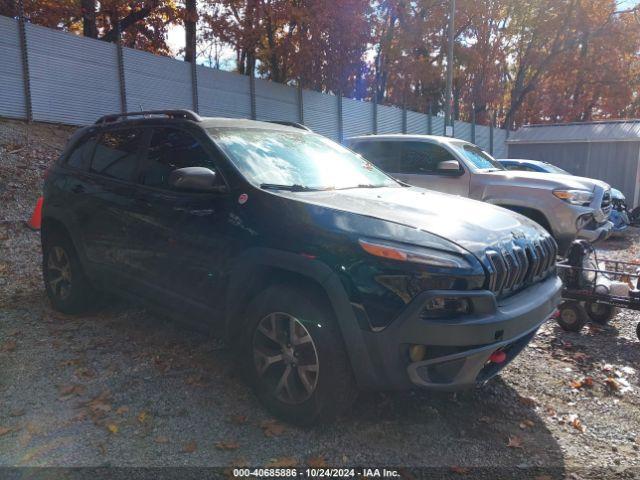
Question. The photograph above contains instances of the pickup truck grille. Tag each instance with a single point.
(523, 265)
(606, 202)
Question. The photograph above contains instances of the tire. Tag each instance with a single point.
(638, 331)
(572, 316)
(301, 373)
(600, 313)
(67, 286)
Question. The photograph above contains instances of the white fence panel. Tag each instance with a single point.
(437, 125)
(223, 94)
(417, 123)
(357, 117)
(321, 113)
(74, 80)
(499, 145)
(11, 79)
(389, 119)
(462, 130)
(275, 101)
(483, 137)
(155, 82)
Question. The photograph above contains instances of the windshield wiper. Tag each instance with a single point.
(292, 188)
(363, 185)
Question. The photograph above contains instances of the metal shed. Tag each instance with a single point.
(608, 150)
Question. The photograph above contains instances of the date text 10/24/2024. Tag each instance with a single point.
(315, 473)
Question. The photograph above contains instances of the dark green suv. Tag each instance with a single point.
(326, 275)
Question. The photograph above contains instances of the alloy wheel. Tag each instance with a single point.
(285, 357)
(59, 272)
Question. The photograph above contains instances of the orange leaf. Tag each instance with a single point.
(5, 430)
(239, 419)
(190, 447)
(143, 416)
(514, 442)
(577, 424)
(316, 462)
(113, 428)
(161, 439)
(122, 410)
(526, 424)
(459, 470)
(272, 428)
(227, 445)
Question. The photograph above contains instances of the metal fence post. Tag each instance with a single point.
(252, 95)
(404, 116)
(374, 119)
(300, 104)
(26, 79)
(121, 77)
(473, 124)
(491, 127)
(194, 86)
(340, 124)
(430, 119)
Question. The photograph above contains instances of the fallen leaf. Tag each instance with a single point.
(316, 462)
(459, 470)
(584, 382)
(285, 462)
(190, 447)
(272, 428)
(613, 384)
(5, 430)
(526, 424)
(8, 346)
(486, 420)
(122, 410)
(224, 445)
(514, 442)
(71, 390)
(112, 427)
(143, 416)
(527, 401)
(239, 419)
(161, 439)
(577, 424)
(580, 357)
(17, 412)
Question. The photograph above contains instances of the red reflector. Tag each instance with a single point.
(498, 357)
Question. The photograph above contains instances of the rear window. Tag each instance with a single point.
(116, 154)
(80, 157)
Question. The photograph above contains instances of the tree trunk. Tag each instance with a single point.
(190, 20)
(89, 28)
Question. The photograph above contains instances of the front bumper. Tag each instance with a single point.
(597, 234)
(458, 350)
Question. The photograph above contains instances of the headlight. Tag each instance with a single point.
(406, 253)
(575, 197)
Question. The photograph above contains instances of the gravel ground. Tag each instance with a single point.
(125, 387)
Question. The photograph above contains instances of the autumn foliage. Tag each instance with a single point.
(527, 62)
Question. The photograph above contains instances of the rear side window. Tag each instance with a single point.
(384, 155)
(116, 154)
(422, 157)
(170, 149)
(80, 157)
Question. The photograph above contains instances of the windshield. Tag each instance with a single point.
(553, 169)
(480, 159)
(297, 160)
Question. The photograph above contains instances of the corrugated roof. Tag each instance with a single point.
(607, 131)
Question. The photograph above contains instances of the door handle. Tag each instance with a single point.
(78, 188)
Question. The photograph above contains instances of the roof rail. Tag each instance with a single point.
(186, 114)
(291, 124)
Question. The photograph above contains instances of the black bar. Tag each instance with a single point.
(430, 119)
(491, 127)
(22, 33)
(121, 77)
(340, 125)
(194, 86)
(300, 104)
(473, 124)
(252, 95)
(375, 108)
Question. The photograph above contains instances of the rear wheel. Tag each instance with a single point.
(600, 313)
(67, 286)
(572, 316)
(294, 356)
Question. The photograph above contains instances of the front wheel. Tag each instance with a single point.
(295, 358)
(572, 316)
(600, 313)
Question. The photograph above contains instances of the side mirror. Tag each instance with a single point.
(197, 179)
(450, 167)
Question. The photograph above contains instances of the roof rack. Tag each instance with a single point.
(186, 114)
(290, 124)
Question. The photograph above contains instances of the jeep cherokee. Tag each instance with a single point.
(326, 275)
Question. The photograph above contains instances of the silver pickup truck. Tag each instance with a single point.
(568, 207)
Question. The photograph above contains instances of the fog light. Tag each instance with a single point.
(417, 353)
(445, 307)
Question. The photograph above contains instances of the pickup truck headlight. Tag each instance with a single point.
(575, 197)
(406, 253)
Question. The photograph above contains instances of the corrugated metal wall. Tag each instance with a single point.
(75, 80)
(223, 94)
(616, 163)
(11, 80)
(357, 117)
(499, 145)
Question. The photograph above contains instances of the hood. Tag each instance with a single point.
(470, 224)
(551, 181)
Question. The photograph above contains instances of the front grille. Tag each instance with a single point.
(606, 202)
(516, 267)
